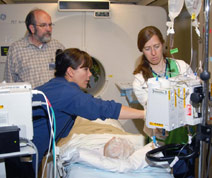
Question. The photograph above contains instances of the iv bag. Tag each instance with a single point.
(175, 7)
(194, 7)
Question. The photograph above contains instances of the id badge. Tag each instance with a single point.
(51, 66)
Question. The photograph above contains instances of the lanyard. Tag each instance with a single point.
(164, 74)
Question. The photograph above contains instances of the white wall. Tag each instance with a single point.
(113, 41)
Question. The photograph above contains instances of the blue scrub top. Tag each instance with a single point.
(68, 101)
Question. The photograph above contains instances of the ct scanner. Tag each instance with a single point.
(112, 40)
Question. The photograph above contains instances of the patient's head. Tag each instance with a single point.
(118, 148)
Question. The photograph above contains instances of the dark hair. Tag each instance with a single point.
(144, 36)
(71, 57)
(30, 19)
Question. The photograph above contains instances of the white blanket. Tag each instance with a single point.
(85, 145)
(88, 150)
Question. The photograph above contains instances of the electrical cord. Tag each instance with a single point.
(177, 151)
(175, 147)
(53, 131)
(52, 139)
(54, 149)
(30, 143)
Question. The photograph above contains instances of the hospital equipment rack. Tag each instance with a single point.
(25, 150)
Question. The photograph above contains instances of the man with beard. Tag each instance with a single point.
(31, 59)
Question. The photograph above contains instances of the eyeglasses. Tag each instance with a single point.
(45, 25)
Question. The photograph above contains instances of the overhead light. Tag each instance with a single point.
(83, 5)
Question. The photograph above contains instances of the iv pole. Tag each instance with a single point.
(205, 76)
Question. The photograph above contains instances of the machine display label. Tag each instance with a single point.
(155, 124)
(4, 50)
(164, 92)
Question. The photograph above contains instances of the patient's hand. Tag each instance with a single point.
(118, 148)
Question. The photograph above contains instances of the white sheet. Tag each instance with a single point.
(88, 150)
(85, 143)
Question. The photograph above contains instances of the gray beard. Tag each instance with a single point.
(45, 39)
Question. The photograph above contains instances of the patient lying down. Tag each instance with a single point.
(104, 146)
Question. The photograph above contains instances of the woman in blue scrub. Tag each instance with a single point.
(69, 101)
